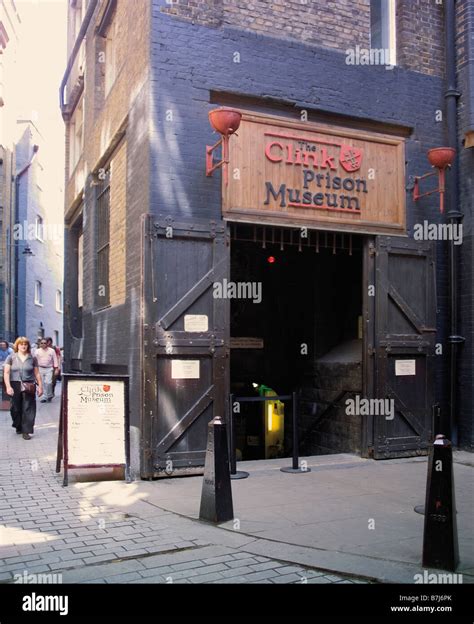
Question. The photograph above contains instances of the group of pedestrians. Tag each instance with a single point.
(28, 372)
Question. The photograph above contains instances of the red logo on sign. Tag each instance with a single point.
(350, 158)
(106, 388)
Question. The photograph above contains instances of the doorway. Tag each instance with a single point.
(296, 326)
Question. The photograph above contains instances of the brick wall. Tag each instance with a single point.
(104, 113)
(420, 36)
(334, 24)
(118, 226)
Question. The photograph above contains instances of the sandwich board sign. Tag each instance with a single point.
(94, 423)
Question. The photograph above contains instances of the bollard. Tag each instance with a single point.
(440, 536)
(216, 495)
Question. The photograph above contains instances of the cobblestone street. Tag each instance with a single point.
(77, 533)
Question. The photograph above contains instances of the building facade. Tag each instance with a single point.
(37, 229)
(349, 294)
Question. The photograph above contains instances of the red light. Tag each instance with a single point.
(271, 259)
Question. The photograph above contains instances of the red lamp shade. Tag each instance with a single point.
(226, 121)
(441, 157)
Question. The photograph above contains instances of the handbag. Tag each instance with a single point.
(29, 387)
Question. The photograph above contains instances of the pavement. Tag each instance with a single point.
(349, 520)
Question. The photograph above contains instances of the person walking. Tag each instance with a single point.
(57, 350)
(48, 366)
(20, 373)
(5, 351)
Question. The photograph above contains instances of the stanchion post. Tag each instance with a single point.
(233, 462)
(295, 433)
(295, 468)
(234, 474)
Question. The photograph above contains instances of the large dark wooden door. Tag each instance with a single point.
(187, 342)
(400, 340)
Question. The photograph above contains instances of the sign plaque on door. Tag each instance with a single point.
(185, 369)
(405, 367)
(196, 323)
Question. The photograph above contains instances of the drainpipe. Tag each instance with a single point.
(75, 51)
(453, 215)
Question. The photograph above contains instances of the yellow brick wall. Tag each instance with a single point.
(105, 113)
(118, 213)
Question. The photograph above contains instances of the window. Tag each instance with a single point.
(76, 135)
(103, 240)
(56, 338)
(382, 29)
(38, 293)
(39, 228)
(110, 56)
(80, 269)
(59, 301)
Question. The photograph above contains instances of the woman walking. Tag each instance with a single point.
(20, 372)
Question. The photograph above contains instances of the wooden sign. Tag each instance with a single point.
(94, 423)
(291, 173)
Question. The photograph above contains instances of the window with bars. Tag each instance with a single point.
(103, 240)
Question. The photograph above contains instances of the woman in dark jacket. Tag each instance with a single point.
(21, 366)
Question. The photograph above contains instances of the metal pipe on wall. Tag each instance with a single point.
(453, 214)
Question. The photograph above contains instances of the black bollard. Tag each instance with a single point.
(440, 536)
(216, 496)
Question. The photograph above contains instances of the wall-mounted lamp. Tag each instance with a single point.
(441, 158)
(225, 121)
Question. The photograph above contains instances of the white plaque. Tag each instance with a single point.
(185, 369)
(405, 367)
(196, 323)
(95, 422)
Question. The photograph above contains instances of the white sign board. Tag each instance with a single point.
(184, 369)
(96, 422)
(405, 367)
(196, 323)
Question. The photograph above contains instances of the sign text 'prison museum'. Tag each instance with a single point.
(284, 172)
